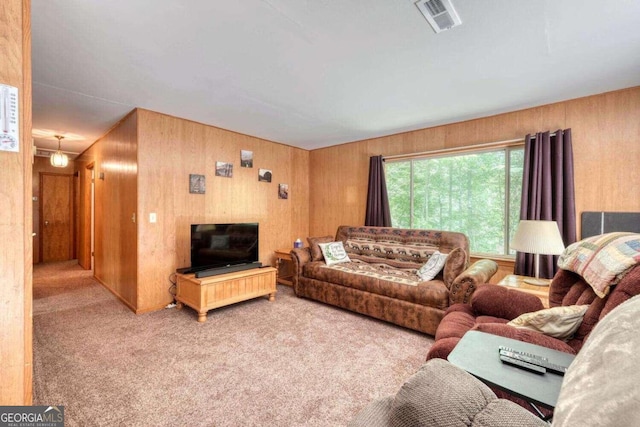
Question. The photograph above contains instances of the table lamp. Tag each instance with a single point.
(538, 237)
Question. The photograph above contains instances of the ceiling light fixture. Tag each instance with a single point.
(59, 159)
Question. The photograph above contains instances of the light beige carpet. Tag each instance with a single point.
(292, 362)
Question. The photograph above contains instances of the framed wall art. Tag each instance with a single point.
(264, 175)
(283, 191)
(196, 184)
(246, 159)
(224, 169)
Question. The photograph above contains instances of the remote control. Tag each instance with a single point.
(523, 365)
(535, 356)
(534, 360)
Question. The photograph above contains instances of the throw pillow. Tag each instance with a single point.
(432, 267)
(558, 322)
(316, 252)
(334, 253)
(457, 261)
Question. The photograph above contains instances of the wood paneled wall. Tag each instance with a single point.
(606, 148)
(148, 157)
(114, 157)
(169, 149)
(15, 215)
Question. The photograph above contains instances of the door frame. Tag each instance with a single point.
(86, 217)
(41, 213)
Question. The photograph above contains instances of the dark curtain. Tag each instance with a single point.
(378, 213)
(548, 193)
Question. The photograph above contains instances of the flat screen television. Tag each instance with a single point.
(223, 245)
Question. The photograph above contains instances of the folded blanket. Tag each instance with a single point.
(602, 260)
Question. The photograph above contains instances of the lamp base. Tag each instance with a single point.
(537, 282)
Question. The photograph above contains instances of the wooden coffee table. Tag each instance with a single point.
(218, 291)
(477, 353)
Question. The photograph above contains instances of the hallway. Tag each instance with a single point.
(64, 285)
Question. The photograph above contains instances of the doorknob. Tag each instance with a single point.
(46, 223)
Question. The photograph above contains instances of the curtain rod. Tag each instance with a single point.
(462, 149)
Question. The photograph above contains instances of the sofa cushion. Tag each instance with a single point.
(334, 253)
(397, 254)
(559, 322)
(445, 241)
(398, 240)
(316, 252)
(382, 280)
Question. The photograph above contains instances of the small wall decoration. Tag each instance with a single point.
(196, 184)
(283, 191)
(264, 175)
(224, 169)
(246, 159)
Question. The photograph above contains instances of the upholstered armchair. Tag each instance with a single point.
(492, 307)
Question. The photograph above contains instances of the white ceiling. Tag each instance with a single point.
(317, 73)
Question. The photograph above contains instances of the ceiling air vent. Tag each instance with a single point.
(440, 14)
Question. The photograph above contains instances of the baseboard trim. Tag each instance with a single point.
(117, 295)
(152, 308)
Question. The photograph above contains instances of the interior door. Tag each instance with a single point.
(56, 226)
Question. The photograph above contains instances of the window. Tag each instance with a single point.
(476, 193)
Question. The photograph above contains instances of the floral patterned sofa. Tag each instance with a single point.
(381, 278)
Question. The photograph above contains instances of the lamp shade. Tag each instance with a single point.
(538, 237)
(59, 159)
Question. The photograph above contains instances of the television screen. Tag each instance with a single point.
(221, 245)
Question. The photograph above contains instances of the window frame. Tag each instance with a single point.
(505, 146)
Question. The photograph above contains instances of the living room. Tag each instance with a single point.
(339, 191)
(147, 157)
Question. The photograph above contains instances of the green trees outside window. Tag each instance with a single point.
(476, 193)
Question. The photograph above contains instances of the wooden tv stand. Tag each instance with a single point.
(224, 289)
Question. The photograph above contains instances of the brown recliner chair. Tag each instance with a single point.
(493, 306)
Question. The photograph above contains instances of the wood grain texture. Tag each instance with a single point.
(114, 156)
(83, 212)
(606, 147)
(225, 289)
(169, 150)
(15, 217)
(56, 210)
(27, 156)
(607, 174)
